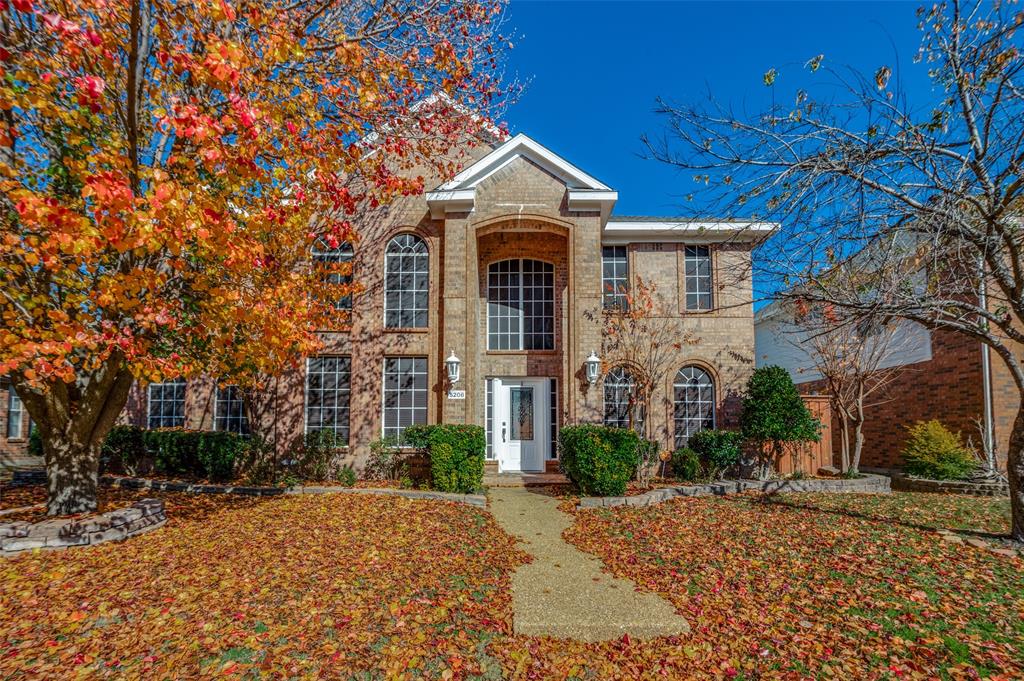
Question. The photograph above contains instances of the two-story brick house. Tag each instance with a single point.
(506, 266)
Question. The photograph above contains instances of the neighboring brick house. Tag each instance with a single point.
(942, 376)
(507, 266)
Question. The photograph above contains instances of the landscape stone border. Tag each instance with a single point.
(977, 489)
(61, 533)
(869, 484)
(192, 488)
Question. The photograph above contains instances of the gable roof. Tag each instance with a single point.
(585, 191)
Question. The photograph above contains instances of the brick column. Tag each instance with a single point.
(459, 280)
(585, 402)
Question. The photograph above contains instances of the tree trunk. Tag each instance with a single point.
(844, 444)
(1015, 474)
(72, 475)
(858, 446)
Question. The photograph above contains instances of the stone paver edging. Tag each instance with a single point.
(563, 592)
(869, 484)
(193, 488)
(62, 533)
(977, 489)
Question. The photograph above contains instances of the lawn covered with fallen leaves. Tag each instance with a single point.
(817, 585)
(290, 587)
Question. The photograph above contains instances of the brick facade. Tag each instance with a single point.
(533, 206)
(948, 388)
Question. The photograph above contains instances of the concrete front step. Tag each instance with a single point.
(520, 480)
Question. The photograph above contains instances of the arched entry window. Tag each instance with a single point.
(694, 403)
(323, 254)
(406, 283)
(520, 305)
(620, 399)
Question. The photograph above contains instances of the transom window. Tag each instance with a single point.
(614, 277)
(328, 392)
(406, 283)
(167, 404)
(620, 400)
(230, 410)
(697, 264)
(327, 257)
(405, 394)
(694, 403)
(14, 413)
(520, 305)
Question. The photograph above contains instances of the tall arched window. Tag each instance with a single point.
(694, 402)
(406, 283)
(323, 254)
(520, 305)
(620, 399)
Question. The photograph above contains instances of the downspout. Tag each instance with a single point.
(986, 367)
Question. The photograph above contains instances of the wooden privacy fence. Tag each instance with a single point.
(814, 455)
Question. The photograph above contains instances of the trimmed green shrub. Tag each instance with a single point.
(125, 449)
(599, 460)
(219, 452)
(932, 451)
(684, 464)
(774, 416)
(717, 450)
(456, 455)
(175, 451)
(35, 443)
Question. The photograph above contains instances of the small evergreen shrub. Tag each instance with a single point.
(599, 460)
(456, 454)
(316, 457)
(775, 418)
(932, 451)
(347, 476)
(35, 443)
(717, 450)
(684, 465)
(124, 449)
(175, 451)
(219, 453)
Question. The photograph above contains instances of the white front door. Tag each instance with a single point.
(521, 422)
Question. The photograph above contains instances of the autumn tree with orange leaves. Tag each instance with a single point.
(167, 166)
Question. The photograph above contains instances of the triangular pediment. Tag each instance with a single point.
(586, 193)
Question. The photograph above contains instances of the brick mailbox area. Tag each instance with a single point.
(61, 533)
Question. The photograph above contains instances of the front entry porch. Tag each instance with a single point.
(519, 416)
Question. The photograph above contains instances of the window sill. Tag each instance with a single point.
(413, 329)
(524, 352)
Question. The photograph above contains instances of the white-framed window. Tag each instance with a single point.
(694, 403)
(166, 404)
(328, 394)
(614, 278)
(14, 414)
(405, 393)
(324, 255)
(620, 400)
(697, 273)
(520, 305)
(230, 410)
(406, 283)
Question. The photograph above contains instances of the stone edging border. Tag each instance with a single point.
(878, 484)
(142, 516)
(977, 489)
(478, 500)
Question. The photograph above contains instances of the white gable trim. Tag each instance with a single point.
(586, 193)
(638, 231)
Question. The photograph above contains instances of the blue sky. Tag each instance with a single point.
(596, 69)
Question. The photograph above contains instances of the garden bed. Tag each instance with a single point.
(61, 533)
(877, 484)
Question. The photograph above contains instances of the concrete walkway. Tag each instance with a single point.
(563, 592)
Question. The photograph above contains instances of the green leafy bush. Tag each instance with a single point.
(456, 455)
(258, 465)
(717, 450)
(125, 449)
(175, 451)
(684, 465)
(35, 443)
(347, 476)
(316, 457)
(219, 452)
(775, 417)
(599, 460)
(933, 451)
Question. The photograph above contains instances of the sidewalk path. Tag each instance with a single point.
(563, 592)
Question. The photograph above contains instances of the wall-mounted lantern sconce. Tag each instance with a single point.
(452, 364)
(593, 367)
